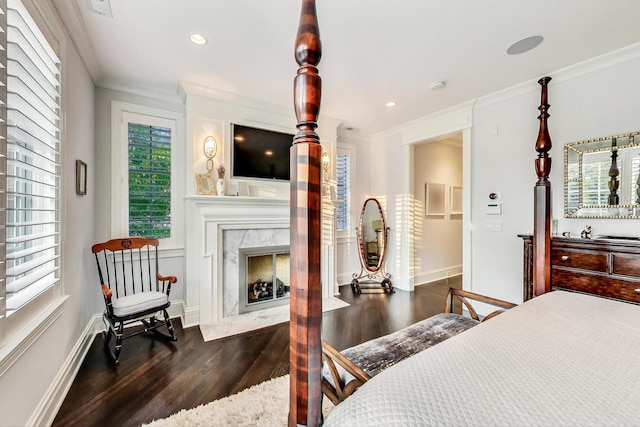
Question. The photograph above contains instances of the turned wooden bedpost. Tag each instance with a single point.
(542, 201)
(305, 347)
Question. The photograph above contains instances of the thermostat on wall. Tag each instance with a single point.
(494, 209)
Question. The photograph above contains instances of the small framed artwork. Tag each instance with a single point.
(434, 196)
(81, 177)
(455, 201)
(205, 184)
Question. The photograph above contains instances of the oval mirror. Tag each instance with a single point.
(210, 147)
(372, 244)
(372, 235)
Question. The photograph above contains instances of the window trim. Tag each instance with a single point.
(123, 113)
(350, 150)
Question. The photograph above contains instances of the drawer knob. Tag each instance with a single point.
(565, 257)
(637, 290)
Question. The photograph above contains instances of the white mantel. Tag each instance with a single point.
(208, 217)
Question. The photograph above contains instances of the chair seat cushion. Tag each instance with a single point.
(137, 303)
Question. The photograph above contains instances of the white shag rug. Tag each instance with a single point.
(263, 405)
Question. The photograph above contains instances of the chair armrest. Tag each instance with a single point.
(107, 292)
(170, 279)
(464, 295)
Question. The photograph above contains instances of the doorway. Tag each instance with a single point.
(437, 191)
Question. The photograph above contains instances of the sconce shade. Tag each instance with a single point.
(325, 161)
(210, 147)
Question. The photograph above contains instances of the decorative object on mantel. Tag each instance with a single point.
(204, 182)
(586, 233)
(81, 177)
(220, 183)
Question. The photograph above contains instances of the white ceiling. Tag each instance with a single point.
(374, 51)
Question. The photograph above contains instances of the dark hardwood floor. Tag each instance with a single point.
(156, 378)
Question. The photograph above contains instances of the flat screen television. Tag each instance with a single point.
(260, 153)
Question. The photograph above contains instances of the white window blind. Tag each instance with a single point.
(149, 181)
(343, 178)
(3, 164)
(33, 160)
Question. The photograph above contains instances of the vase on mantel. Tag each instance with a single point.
(220, 186)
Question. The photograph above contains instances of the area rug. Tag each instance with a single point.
(265, 404)
(242, 323)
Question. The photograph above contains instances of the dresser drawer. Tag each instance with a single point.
(626, 265)
(602, 285)
(577, 259)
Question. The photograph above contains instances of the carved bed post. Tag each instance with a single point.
(305, 404)
(542, 201)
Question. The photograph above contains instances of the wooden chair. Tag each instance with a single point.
(132, 288)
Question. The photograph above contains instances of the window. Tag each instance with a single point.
(33, 162)
(149, 181)
(596, 176)
(344, 167)
(146, 185)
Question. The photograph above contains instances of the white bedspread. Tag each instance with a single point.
(559, 359)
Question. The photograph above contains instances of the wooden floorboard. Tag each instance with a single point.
(157, 378)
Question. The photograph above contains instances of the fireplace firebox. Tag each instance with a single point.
(264, 278)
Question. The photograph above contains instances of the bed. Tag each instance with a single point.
(559, 359)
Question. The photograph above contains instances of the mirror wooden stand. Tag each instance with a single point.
(372, 235)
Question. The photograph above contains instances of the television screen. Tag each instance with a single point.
(260, 153)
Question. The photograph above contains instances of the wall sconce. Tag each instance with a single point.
(210, 150)
(326, 160)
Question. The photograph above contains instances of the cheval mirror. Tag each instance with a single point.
(372, 235)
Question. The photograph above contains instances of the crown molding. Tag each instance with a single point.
(571, 72)
(71, 15)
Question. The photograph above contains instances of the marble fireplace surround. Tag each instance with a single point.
(233, 242)
(213, 224)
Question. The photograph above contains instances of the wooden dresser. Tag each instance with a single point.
(609, 268)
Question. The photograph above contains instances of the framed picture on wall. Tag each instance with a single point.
(434, 199)
(81, 178)
(455, 201)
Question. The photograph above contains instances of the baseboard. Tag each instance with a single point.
(438, 274)
(191, 317)
(344, 279)
(51, 402)
(48, 407)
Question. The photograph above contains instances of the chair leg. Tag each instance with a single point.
(119, 339)
(167, 321)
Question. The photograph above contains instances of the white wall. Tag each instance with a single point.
(35, 381)
(438, 240)
(172, 262)
(348, 261)
(587, 101)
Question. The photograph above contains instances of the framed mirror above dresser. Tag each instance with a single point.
(602, 177)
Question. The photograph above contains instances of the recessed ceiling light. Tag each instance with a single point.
(198, 39)
(524, 45)
(268, 153)
(391, 104)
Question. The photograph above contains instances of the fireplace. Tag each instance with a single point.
(264, 277)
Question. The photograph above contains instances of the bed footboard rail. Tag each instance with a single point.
(465, 296)
(340, 389)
